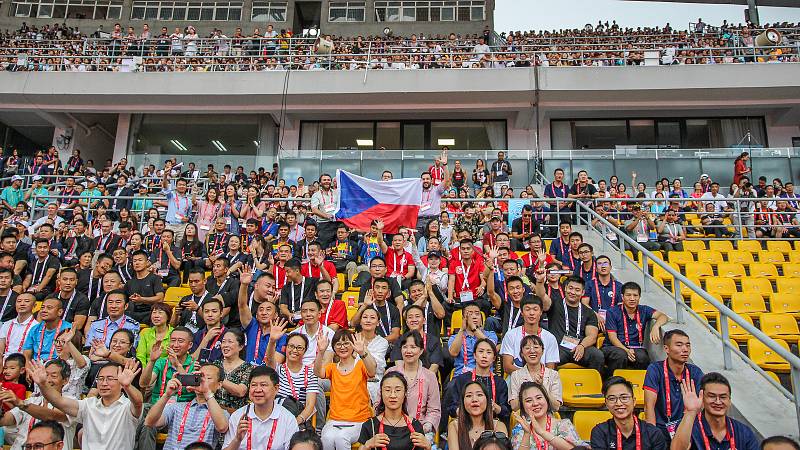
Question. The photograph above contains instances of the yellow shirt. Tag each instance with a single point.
(350, 401)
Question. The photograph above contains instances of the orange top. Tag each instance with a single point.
(350, 401)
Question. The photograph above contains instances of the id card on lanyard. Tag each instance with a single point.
(671, 425)
(570, 342)
(466, 295)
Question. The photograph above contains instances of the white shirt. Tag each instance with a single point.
(23, 424)
(107, 426)
(311, 351)
(17, 336)
(720, 205)
(287, 426)
(512, 339)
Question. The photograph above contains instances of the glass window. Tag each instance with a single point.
(347, 135)
(346, 12)
(698, 133)
(669, 134)
(448, 14)
(600, 134)
(266, 11)
(388, 135)
(643, 132)
(469, 135)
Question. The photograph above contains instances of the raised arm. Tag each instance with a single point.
(39, 375)
(125, 377)
(245, 314)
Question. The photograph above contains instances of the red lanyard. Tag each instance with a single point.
(539, 333)
(464, 352)
(638, 435)
(291, 383)
(108, 322)
(216, 339)
(421, 395)
(491, 379)
(164, 377)
(728, 433)
(541, 444)
(550, 291)
(638, 327)
(52, 344)
(183, 423)
(24, 333)
(408, 424)
(258, 344)
(613, 295)
(668, 388)
(250, 433)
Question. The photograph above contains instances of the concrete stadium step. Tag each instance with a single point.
(755, 400)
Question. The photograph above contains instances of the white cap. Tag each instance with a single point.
(16, 178)
(37, 178)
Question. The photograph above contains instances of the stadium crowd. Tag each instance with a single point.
(269, 345)
(62, 48)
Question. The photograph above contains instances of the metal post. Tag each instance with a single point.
(676, 286)
(622, 257)
(645, 271)
(726, 350)
(795, 374)
(739, 218)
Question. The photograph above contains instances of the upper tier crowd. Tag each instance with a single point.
(183, 49)
(245, 357)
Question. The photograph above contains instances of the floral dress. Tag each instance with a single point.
(239, 375)
(562, 428)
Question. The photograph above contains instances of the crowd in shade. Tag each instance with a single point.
(59, 47)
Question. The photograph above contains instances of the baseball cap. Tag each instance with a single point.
(16, 178)
(91, 179)
(37, 178)
(435, 254)
(705, 175)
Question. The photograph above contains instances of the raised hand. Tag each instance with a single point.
(156, 351)
(277, 329)
(99, 348)
(173, 386)
(492, 252)
(241, 429)
(126, 375)
(246, 275)
(522, 420)
(322, 343)
(691, 401)
(211, 334)
(359, 344)
(379, 225)
(541, 255)
(368, 300)
(37, 372)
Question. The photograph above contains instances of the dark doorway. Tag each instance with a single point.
(307, 14)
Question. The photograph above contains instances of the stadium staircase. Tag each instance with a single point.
(755, 399)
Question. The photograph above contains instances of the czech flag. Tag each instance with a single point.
(362, 200)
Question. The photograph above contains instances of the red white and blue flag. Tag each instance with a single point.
(362, 200)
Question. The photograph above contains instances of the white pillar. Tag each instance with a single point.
(121, 139)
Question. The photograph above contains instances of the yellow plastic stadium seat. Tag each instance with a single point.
(582, 388)
(456, 319)
(342, 278)
(584, 421)
(686, 293)
(794, 256)
(703, 307)
(723, 247)
(788, 286)
(724, 286)
(661, 275)
(636, 377)
(779, 246)
(731, 270)
(759, 285)
(785, 303)
(694, 246)
(735, 331)
(351, 312)
(797, 245)
(161, 438)
(780, 326)
(748, 303)
(710, 256)
(773, 376)
(764, 270)
(680, 258)
(765, 357)
(350, 299)
(770, 256)
(750, 246)
(742, 257)
(791, 269)
(699, 269)
(173, 295)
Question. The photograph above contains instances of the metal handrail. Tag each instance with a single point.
(725, 312)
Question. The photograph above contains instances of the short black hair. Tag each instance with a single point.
(199, 446)
(264, 371)
(676, 332)
(62, 366)
(292, 264)
(780, 440)
(632, 286)
(613, 381)
(303, 437)
(531, 300)
(56, 429)
(714, 378)
(19, 358)
(575, 279)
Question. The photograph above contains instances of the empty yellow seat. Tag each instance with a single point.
(779, 246)
(780, 326)
(694, 246)
(636, 377)
(173, 295)
(661, 275)
(764, 270)
(748, 303)
(699, 269)
(735, 331)
(702, 307)
(351, 312)
(724, 286)
(456, 320)
(794, 256)
(680, 258)
(770, 256)
(791, 269)
(765, 357)
(731, 270)
(742, 257)
(788, 286)
(782, 302)
(582, 388)
(342, 279)
(710, 256)
(723, 247)
(750, 246)
(350, 299)
(758, 285)
(584, 421)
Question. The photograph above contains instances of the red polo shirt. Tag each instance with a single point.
(310, 271)
(397, 262)
(473, 275)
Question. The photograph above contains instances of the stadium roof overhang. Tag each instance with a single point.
(787, 3)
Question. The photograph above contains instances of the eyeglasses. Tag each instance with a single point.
(495, 434)
(38, 446)
(105, 379)
(624, 398)
(301, 348)
(603, 264)
(343, 344)
(377, 266)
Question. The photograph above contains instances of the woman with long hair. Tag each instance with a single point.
(480, 175)
(740, 168)
(432, 229)
(474, 418)
(376, 345)
(232, 394)
(253, 207)
(392, 428)
(208, 209)
(297, 381)
(536, 424)
(192, 251)
(531, 351)
(159, 331)
(235, 255)
(231, 208)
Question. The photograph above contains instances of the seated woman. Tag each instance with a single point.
(78, 362)
(350, 404)
(232, 394)
(415, 320)
(235, 255)
(485, 355)
(536, 425)
(474, 417)
(119, 351)
(193, 252)
(159, 332)
(531, 350)
(392, 428)
(298, 386)
(422, 398)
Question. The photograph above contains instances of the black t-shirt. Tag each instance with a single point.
(230, 297)
(555, 320)
(292, 295)
(78, 307)
(399, 437)
(148, 286)
(532, 227)
(604, 436)
(389, 318)
(38, 269)
(576, 189)
(394, 286)
(9, 305)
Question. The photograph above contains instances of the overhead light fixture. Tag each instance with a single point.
(256, 143)
(219, 146)
(364, 142)
(446, 142)
(178, 145)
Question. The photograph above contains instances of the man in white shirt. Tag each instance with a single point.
(720, 203)
(110, 419)
(263, 423)
(531, 309)
(480, 50)
(309, 311)
(14, 331)
(26, 412)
